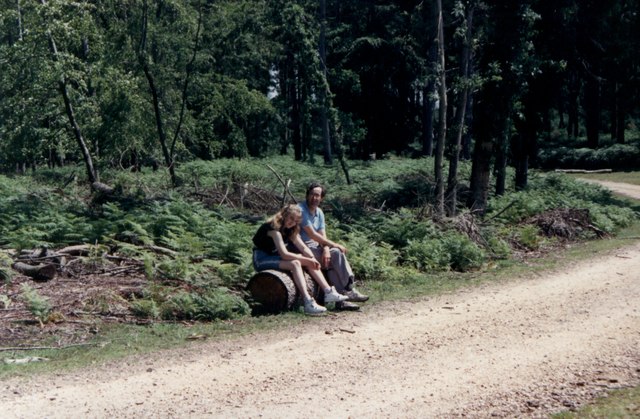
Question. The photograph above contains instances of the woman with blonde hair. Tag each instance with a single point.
(271, 251)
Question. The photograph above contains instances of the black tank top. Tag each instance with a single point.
(262, 241)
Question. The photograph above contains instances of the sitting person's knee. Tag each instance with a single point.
(295, 264)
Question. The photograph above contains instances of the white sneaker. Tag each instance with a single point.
(334, 296)
(313, 308)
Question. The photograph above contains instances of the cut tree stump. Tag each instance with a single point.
(273, 291)
(42, 272)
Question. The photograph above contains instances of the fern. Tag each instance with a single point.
(39, 306)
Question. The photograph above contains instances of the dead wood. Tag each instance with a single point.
(103, 188)
(41, 348)
(567, 223)
(466, 224)
(42, 272)
(584, 171)
(273, 291)
(161, 250)
(285, 185)
(78, 250)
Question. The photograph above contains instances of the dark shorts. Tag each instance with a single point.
(263, 261)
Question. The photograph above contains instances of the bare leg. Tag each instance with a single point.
(295, 268)
(317, 276)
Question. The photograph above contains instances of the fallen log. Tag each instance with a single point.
(273, 291)
(83, 250)
(42, 272)
(584, 171)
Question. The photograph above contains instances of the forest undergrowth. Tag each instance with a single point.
(149, 253)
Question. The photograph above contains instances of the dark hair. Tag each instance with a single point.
(314, 185)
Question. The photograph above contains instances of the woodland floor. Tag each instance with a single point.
(524, 348)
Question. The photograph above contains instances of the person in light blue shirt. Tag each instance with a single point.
(331, 255)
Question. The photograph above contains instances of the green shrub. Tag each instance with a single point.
(146, 309)
(527, 237)
(426, 255)
(400, 228)
(464, 255)
(611, 218)
(219, 304)
(371, 260)
(37, 305)
(498, 247)
(180, 306)
(618, 156)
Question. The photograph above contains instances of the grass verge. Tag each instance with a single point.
(617, 404)
(624, 177)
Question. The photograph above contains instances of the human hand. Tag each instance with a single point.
(326, 257)
(310, 262)
(341, 248)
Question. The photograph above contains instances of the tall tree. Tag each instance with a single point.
(442, 113)
(63, 86)
(324, 89)
(159, 30)
(379, 71)
(505, 58)
(299, 69)
(465, 12)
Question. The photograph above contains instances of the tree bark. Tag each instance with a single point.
(459, 123)
(324, 90)
(442, 115)
(592, 111)
(294, 111)
(500, 167)
(162, 136)
(92, 173)
(274, 291)
(42, 272)
(572, 106)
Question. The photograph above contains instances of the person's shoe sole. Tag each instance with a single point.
(347, 306)
(360, 299)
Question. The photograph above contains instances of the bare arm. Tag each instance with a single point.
(321, 237)
(306, 259)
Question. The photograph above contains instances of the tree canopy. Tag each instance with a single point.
(133, 83)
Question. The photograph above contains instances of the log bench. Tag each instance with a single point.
(273, 291)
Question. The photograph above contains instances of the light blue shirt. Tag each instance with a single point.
(308, 219)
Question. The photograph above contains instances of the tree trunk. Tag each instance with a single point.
(162, 136)
(501, 155)
(324, 90)
(42, 272)
(428, 108)
(294, 114)
(572, 106)
(467, 138)
(592, 111)
(442, 115)
(274, 291)
(618, 117)
(92, 173)
(483, 127)
(452, 179)
(185, 88)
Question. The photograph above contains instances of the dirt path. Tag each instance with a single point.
(521, 349)
(627, 189)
